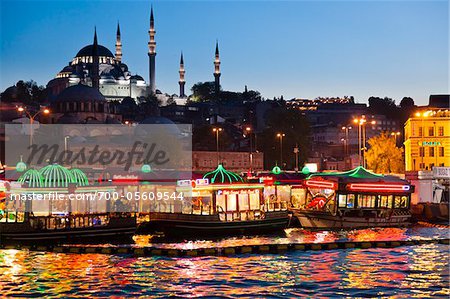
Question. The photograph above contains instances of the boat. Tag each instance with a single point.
(354, 199)
(39, 207)
(218, 204)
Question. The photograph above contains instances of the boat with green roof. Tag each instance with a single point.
(39, 208)
(354, 199)
(217, 204)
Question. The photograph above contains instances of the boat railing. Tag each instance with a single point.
(248, 215)
(275, 206)
(71, 221)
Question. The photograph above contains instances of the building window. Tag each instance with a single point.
(441, 151)
(441, 131)
(431, 131)
(431, 151)
(422, 151)
(422, 165)
(420, 131)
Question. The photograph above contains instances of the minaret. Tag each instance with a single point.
(217, 70)
(118, 45)
(95, 77)
(182, 81)
(152, 54)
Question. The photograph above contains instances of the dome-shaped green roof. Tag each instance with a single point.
(222, 176)
(32, 177)
(54, 175)
(79, 177)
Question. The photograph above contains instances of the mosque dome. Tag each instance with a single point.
(80, 93)
(89, 50)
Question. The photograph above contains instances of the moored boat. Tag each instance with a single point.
(354, 199)
(59, 205)
(218, 204)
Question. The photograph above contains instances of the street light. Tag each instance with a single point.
(395, 134)
(362, 131)
(346, 128)
(281, 135)
(32, 117)
(217, 130)
(249, 130)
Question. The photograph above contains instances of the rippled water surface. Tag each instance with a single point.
(404, 272)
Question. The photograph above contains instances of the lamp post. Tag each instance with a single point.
(362, 131)
(359, 121)
(281, 135)
(346, 128)
(216, 131)
(32, 117)
(395, 134)
(248, 130)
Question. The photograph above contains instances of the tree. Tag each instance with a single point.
(149, 106)
(203, 91)
(406, 103)
(383, 155)
(384, 106)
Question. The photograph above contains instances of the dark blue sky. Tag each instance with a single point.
(295, 48)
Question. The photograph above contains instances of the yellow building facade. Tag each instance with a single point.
(427, 140)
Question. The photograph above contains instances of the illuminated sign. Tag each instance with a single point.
(266, 179)
(321, 184)
(378, 187)
(193, 183)
(430, 143)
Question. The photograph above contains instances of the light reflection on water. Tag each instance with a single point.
(404, 272)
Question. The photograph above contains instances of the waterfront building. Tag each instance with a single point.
(427, 139)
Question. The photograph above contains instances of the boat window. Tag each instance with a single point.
(342, 198)
(298, 197)
(220, 203)
(231, 202)
(254, 201)
(350, 201)
(401, 202)
(383, 201)
(243, 202)
(269, 197)
(366, 201)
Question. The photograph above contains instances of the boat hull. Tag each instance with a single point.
(183, 225)
(318, 220)
(117, 230)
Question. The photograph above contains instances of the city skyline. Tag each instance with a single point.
(392, 49)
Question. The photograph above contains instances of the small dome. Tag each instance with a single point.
(222, 176)
(55, 175)
(32, 177)
(112, 121)
(67, 69)
(156, 120)
(68, 119)
(89, 50)
(80, 93)
(80, 177)
(137, 78)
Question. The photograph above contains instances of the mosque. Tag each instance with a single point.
(96, 66)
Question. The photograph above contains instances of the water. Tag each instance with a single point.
(404, 272)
